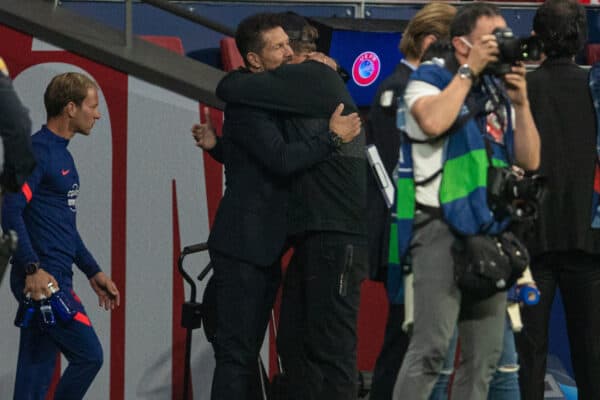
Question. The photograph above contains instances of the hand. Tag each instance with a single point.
(516, 85)
(37, 285)
(347, 127)
(484, 51)
(105, 288)
(204, 134)
(322, 58)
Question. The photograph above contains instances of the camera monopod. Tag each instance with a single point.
(191, 311)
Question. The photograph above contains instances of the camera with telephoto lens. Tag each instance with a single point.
(514, 195)
(512, 49)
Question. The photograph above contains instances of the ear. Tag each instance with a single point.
(254, 61)
(70, 109)
(460, 46)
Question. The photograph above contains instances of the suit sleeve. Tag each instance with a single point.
(14, 205)
(217, 152)
(15, 129)
(310, 89)
(259, 134)
(84, 259)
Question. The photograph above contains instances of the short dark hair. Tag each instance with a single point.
(561, 25)
(466, 17)
(64, 88)
(248, 36)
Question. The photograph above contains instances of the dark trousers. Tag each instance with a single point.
(317, 335)
(245, 295)
(38, 349)
(577, 275)
(389, 361)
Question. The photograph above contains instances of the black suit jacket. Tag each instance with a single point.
(382, 132)
(563, 111)
(251, 220)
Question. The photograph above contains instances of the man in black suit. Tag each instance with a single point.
(248, 235)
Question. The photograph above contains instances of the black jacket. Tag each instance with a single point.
(15, 129)
(330, 196)
(382, 132)
(563, 111)
(250, 224)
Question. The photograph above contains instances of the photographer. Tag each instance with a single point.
(430, 25)
(565, 249)
(460, 121)
(15, 129)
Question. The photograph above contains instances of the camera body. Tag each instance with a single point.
(513, 49)
(509, 193)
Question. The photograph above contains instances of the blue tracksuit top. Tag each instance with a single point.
(43, 213)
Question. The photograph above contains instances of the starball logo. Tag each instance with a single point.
(365, 69)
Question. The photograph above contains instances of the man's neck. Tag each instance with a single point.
(412, 62)
(60, 127)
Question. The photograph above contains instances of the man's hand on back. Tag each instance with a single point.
(347, 127)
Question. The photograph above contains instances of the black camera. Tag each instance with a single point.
(514, 195)
(513, 49)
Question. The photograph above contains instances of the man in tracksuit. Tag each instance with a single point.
(43, 215)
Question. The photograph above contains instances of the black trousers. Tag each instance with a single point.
(577, 275)
(317, 334)
(244, 298)
(389, 361)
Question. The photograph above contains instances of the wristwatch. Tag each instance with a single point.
(32, 268)
(465, 72)
(335, 139)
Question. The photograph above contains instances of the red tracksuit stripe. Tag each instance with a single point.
(80, 317)
(27, 192)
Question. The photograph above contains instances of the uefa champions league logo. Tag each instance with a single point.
(365, 69)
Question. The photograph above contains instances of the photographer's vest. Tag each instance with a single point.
(463, 188)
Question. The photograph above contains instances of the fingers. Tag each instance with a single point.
(115, 295)
(339, 109)
(38, 285)
(54, 283)
(118, 299)
(206, 111)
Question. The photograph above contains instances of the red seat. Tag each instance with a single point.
(592, 53)
(230, 56)
(172, 43)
